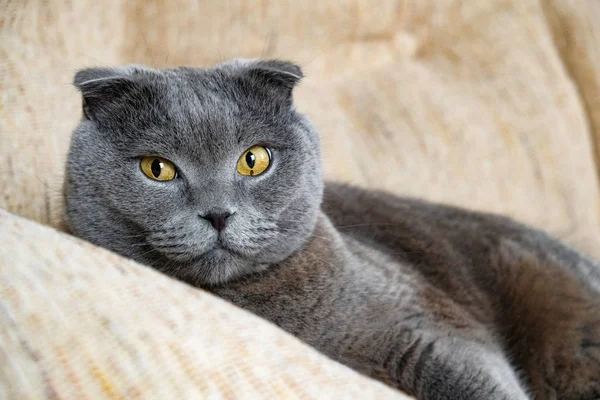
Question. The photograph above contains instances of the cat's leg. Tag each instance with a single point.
(567, 364)
(571, 373)
(449, 368)
(550, 322)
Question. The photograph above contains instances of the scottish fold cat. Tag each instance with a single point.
(213, 177)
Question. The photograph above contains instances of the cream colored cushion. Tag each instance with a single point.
(78, 322)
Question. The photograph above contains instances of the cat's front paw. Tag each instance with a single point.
(455, 369)
(574, 371)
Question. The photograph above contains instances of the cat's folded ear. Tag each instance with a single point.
(277, 72)
(101, 87)
(278, 78)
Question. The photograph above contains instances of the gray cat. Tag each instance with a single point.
(212, 176)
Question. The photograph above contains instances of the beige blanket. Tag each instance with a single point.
(492, 105)
(77, 322)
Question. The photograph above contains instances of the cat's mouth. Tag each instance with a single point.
(217, 249)
(221, 247)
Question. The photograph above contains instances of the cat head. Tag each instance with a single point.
(205, 174)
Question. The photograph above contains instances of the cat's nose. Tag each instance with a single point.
(217, 219)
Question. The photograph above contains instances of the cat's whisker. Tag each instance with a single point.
(140, 244)
(262, 53)
(155, 263)
(48, 186)
(164, 267)
(148, 50)
(299, 231)
(318, 258)
(367, 224)
(346, 227)
(141, 235)
(152, 249)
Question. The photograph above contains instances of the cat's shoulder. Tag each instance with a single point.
(381, 215)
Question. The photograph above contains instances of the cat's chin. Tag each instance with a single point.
(216, 266)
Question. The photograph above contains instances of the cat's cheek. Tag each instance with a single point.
(156, 199)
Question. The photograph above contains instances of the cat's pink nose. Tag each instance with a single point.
(218, 220)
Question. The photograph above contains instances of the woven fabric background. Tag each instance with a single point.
(492, 105)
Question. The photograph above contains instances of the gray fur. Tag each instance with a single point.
(202, 121)
(440, 302)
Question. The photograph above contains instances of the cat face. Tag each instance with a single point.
(205, 174)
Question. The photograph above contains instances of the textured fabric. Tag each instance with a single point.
(77, 322)
(576, 34)
(492, 105)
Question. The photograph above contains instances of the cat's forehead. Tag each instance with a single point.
(175, 94)
(197, 111)
(194, 94)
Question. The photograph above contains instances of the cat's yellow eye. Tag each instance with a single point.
(254, 161)
(158, 168)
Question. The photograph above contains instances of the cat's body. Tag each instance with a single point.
(471, 298)
(440, 302)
